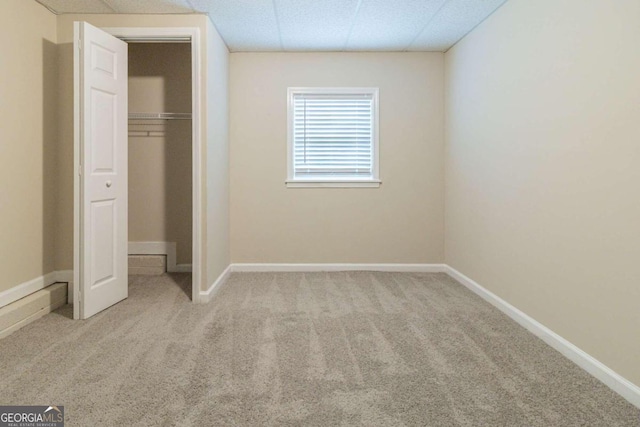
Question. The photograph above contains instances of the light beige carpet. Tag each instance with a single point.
(323, 349)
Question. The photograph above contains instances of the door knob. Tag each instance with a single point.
(108, 184)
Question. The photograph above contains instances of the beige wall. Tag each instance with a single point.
(160, 162)
(28, 137)
(217, 232)
(543, 182)
(400, 222)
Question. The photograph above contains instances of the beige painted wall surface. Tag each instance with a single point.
(217, 142)
(400, 222)
(160, 164)
(64, 237)
(542, 179)
(28, 136)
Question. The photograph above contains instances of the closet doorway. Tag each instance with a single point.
(163, 155)
(159, 130)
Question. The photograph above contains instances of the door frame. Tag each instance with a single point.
(150, 35)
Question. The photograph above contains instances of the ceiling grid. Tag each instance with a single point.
(316, 25)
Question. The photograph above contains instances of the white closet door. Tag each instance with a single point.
(100, 63)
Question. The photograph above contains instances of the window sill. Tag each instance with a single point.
(370, 183)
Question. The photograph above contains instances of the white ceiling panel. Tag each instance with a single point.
(77, 6)
(390, 25)
(144, 6)
(245, 25)
(315, 25)
(453, 22)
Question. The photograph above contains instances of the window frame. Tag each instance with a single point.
(329, 182)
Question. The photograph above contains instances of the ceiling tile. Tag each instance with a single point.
(453, 22)
(150, 6)
(245, 25)
(77, 6)
(391, 25)
(315, 25)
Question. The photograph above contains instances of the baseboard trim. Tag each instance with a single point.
(415, 268)
(206, 296)
(24, 322)
(27, 288)
(606, 375)
(160, 248)
(22, 311)
(66, 276)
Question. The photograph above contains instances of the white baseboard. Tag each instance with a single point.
(206, 296)
(66, 276)
(606, 375)
(27, 288)
(32, 318)
(32, 307)
(416, 268)
(160, 248)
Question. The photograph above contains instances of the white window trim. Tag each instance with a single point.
(291, 182)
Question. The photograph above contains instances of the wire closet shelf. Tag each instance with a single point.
(159, 116)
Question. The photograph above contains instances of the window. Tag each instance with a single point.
(333, 137)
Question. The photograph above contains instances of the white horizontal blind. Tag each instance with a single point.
(333, 136)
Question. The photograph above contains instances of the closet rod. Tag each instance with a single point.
(159, 116)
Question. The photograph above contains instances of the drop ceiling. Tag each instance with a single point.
(316, 25)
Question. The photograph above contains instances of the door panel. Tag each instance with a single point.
(103, 256)
(101, 118)
(103, 128)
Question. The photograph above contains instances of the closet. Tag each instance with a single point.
(160, 158)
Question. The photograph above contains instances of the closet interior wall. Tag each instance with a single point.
(160, 151)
